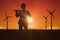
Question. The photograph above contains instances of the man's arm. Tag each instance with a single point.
(17, 13)
(28, 13)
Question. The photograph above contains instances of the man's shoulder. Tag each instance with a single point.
(18, 10)
(27, 11)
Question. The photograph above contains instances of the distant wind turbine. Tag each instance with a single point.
(45, 21)
(6, 18)
(51, 15)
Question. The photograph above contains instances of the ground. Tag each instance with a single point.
(29, 34)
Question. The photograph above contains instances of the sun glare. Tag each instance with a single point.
(29, 19)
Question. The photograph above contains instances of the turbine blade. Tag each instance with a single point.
(53, 17)
(53, 11)
(48, 11)
(47, 20)
(44, 16)
(5, 14)
(47, 16)
(9, 16)
(4, 19)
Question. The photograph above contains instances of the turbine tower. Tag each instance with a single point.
(6, 19)
(45, 17)
(51, 15)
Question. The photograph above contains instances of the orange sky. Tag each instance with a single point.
(37, 9)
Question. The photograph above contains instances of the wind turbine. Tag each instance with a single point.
(45, 17)
(6, 18)
(51, 15)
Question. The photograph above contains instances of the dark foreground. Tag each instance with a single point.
(30, 35)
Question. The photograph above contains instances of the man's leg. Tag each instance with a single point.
(20, 27)
(25, 27)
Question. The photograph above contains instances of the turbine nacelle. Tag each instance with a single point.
(51, 12)
(45, 17)
(6, 18)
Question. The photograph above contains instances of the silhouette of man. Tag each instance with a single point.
(23, 14)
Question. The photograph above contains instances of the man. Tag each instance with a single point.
(23, 14)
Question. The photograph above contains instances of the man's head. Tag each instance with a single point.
(23, 5)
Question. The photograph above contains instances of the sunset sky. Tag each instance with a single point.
(37, 8)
